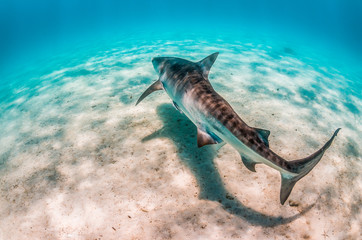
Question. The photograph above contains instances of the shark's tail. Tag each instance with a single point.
(302, 167)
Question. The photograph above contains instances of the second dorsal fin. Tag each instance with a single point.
(264, 134)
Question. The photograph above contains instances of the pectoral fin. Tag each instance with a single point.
(154, 87)
(204, 138)
(249, 164)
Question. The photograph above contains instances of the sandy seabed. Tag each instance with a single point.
(79, 161)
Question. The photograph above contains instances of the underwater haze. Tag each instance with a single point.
(78, 159)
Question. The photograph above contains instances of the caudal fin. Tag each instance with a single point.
(302, 167)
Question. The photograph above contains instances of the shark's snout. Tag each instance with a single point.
(154, 60)
(158, 63)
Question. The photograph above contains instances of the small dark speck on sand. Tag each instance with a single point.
(114, 229)
(293, 203)
(129, 216)
(228, 196)
(306, 236)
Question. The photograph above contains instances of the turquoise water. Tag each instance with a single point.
(79, 161)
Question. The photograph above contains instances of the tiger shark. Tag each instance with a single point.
(191, 92)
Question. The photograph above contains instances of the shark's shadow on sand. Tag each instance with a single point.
(182, 132)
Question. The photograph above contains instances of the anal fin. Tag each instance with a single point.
(249, 164)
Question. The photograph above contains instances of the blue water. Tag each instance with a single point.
(51, 24)
(71, 72)
(35, 31)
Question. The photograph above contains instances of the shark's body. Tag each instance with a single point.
(188, 86)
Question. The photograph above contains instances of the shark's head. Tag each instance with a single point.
(175, 69)
(159, 64)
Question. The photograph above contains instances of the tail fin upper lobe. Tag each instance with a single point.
(302, 167)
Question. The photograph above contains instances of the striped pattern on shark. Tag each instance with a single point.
(192, 94)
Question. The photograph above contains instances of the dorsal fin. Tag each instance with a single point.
(206, 64)
(264, 135)
(203, 138)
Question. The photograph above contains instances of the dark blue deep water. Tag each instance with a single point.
(31, 28)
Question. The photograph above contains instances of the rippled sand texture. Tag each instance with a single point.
(79, 161)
